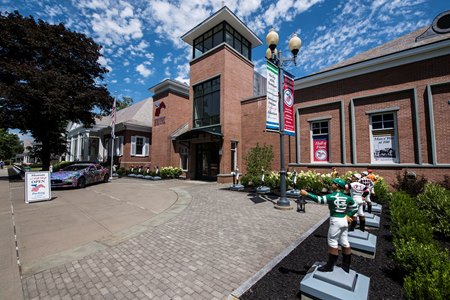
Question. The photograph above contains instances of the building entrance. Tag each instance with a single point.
(207, 161)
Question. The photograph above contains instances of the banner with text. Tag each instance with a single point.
(320, 148)
(272, 109)
(288, 95)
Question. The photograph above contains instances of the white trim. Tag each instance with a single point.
(372, 65)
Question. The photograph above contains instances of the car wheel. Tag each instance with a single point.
(81, 183)
(106, 178)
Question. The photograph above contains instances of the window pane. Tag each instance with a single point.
(389, 124)
(237, 45)
(218, 38)
(208, 43)
(388, 117)
(245, 51)
(316, 131)
(377, 125)
(324, 130)
(229, 38)
(207, 105)
(315, 125)
(376, 118)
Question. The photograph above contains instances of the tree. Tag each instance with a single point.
(49, 76)
(125, 102)
(10, 145)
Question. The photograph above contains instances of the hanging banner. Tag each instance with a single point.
(288, 96)
(384, 148)
(272, 109)
(320, 149)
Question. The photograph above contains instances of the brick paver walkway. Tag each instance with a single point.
(213, 246)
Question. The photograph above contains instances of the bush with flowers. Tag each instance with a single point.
(170, 172)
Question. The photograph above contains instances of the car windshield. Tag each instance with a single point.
(75, 168)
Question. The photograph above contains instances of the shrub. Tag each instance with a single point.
(444, 183)
(250, 180)
(434, 284)
(259, 158)
(121, 171)
(381, 190)
(414, 255)
(408, 221)
(410, 183)
(310, 181)
(170, 172)
(435, 204)
(272, 180)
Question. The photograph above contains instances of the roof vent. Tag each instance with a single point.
(440, 25)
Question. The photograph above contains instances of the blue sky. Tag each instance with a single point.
(141, 38)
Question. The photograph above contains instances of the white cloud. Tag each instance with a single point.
(143, 70)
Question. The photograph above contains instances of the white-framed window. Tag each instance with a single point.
(118, 146)
(320, 141)
(139, 146)
(383, 138)
(234, 146)
(184, 158)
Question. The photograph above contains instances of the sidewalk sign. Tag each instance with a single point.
(37, 186)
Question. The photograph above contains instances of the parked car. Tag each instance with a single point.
(79, 175)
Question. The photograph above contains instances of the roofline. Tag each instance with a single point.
(254, 39)
(421, 53)
(166, 83)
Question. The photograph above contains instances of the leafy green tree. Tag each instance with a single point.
(259, 158)
(125, 102)
(49, 76)
(10, 145)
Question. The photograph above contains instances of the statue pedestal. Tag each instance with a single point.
(363, 243)
(139, 176)
(376, 208)
(334, 285)
(237, 187)
(156, 178)
(148, 177)
(262, 189)
(372, 220)
(131, 175)
(293, 193)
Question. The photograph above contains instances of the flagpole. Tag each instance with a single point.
(113, 136)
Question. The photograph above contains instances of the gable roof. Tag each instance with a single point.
(403, 50)
(139, 113)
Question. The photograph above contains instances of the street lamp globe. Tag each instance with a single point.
(272, 39)
(269, 53)
(294, 45)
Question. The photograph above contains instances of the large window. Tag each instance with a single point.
(219, 34)
(207, 103)
(384, 146)
(319, 138)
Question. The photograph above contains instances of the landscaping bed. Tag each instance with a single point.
(283, 281)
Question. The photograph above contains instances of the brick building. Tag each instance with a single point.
(387, 109)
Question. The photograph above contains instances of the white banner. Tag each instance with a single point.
(384, 148)
(272, 109)
(37, 186)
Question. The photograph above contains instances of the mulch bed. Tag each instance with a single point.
(283, 281)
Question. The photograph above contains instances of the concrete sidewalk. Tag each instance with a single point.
(10, 283)
(208, 243)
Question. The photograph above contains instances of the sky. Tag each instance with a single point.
(141, 44)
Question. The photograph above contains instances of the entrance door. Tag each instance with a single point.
(207, 161)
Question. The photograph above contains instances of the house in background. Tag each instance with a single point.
(132, 143)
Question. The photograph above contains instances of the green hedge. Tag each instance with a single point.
(424, 263)
(435, 204)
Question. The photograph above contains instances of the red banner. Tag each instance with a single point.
(288, 103)
(320, 150)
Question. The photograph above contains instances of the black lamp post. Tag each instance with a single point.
(274, 57)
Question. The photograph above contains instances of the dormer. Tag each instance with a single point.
(222, 27)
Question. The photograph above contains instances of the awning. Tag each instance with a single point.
(196, 133)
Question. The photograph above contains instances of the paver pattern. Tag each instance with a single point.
(209, 249)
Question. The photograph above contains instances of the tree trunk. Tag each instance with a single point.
(45, 155)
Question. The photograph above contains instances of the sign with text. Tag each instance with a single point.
(384, 148)
(272, 108)
(320, 149)
(288, 95)
(37, 186)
